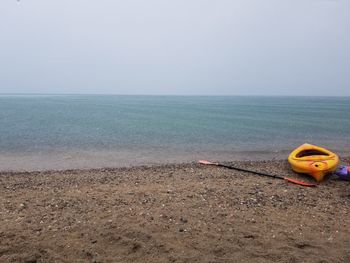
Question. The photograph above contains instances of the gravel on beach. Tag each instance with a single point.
(173, 213)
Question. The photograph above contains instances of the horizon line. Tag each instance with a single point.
(174, 95)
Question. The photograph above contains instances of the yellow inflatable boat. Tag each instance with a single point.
(313, 160)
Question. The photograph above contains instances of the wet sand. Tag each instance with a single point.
(173, 213)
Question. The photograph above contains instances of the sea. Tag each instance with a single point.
(56, 132)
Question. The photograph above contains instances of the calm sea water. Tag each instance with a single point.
(74, 131)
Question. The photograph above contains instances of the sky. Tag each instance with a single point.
(176, 47)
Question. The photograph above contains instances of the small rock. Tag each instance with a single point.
(22, 206)
(183, 220)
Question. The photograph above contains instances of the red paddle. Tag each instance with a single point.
(294, 181)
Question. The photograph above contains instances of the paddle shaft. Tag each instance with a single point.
(291, 180)
(249, 171)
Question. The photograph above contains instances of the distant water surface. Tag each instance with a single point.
(74, 131)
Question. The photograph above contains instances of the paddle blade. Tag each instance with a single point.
(206, 162)
(299, 182)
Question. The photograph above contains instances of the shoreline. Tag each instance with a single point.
(86, 160)
(265, 164)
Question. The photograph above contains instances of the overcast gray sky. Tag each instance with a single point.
(219, 47)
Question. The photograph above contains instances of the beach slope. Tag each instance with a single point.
(172, 213)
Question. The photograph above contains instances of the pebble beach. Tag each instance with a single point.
(173, 131)
(173, 213)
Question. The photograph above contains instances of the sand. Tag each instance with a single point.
(172, 213)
